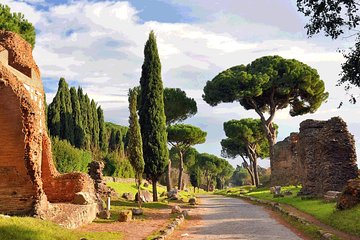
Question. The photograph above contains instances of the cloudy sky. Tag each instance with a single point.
(99, 45)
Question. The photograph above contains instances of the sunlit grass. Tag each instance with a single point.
(27, 228)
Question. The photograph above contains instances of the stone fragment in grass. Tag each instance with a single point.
(125, 216)
(176, 209)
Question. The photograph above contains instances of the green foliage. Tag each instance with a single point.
(68, 158)
(135, 141)
(102, 136)
(183, 136)
(243, 134)
(178, 106)
(195, 176)
(333, 17)
(117, 167)
(246, 139)
(116, 138)
(15, 22)
(60, 114)
(268, 84)
(79, 133)
(239, 176)
(213, 167)
(152, 114)
(328, 15)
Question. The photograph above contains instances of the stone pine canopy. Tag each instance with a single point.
(30, 184)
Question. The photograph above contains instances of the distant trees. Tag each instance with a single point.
(152, 115)
(15, 22)
(246, 138)
(267, 85)
(333, 17)
(182, 137)
(213, 168)
(135, 150)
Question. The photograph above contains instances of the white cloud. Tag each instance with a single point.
(100, 46)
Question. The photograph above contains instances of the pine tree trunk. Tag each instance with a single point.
(181, 169)
(256, 174)
(155, 196)
(168, 177)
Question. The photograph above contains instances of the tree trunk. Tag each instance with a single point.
(256, 174)
(155, 196)
(249, 168)
(168, 177)
(208, 184)
(138, 195)
(181, 169)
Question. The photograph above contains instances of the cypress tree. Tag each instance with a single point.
(102, 136)
(60, 114)
(84, 117)
(79, 133)
(152, 115)
(135, 142)
(96, 130)
(90, 121)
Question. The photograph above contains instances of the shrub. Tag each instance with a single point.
(118, 167)
(68, 158)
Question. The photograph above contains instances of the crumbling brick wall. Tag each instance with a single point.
(327, 156)
(29, 180)
(322, 157)
(285, 162)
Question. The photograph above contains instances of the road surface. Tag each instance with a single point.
(232, 218)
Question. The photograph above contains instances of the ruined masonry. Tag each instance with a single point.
(322, 157)
(30, 184)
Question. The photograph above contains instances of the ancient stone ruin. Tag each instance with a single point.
(284, 167)
(95, 171)
(30, 184)
(321, 157)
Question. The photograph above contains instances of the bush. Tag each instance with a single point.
(68, 158)
(118, 167)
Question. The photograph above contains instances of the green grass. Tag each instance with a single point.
(121, 188)
(347, 220)
(27, 228)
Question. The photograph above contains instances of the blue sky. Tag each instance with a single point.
(99, 45)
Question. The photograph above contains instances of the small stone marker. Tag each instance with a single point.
(125, 216)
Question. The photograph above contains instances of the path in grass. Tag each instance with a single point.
(231, 218)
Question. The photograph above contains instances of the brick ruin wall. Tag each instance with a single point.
(29, 181)
(285, 163)
(323, 158)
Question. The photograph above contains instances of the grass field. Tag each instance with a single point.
(27, 228)
(347, 220)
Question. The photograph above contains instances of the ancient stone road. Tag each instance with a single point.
(231, 218)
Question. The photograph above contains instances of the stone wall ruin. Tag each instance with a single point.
(30, 184)
(323, 157)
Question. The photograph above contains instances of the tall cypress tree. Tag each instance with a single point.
(135, 150)
(84, 117)
(79, 133)
(152, 115)
(90, 122)
(61, 122)
(102, 136)
(95, 132)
